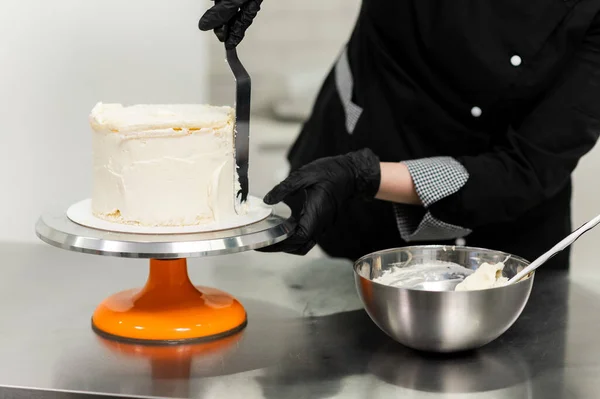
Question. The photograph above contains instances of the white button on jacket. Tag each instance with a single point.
(515, 60)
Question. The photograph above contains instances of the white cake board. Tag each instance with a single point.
(81, 213)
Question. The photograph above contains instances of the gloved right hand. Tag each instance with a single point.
(229, 19)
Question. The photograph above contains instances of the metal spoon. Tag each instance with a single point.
(570, 239)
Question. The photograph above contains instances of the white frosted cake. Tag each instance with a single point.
(163, 165)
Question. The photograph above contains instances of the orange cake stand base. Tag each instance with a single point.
(169, 310)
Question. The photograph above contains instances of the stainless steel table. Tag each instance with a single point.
(307, 337)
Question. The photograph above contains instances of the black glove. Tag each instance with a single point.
(329, 183)
(230, 19)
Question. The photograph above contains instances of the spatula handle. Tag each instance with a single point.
(570, 239)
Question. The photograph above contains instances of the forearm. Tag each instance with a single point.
(420, 183)
(397, 185)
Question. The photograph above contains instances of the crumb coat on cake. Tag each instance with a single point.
(163, 165)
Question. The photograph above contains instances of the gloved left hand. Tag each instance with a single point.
(229, 19)
(328, 183)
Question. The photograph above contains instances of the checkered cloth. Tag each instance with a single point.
(434, 179)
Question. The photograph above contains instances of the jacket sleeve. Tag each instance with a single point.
(532, 165)
(434, 179)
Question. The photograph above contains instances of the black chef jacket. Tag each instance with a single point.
(510, 89)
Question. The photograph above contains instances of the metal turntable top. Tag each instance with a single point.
(56, 229)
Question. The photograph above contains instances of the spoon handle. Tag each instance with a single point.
(570, 239)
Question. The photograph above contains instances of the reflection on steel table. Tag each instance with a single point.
(307, 337)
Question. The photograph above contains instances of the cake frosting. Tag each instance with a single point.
(486, 276)
(415, 275)
(163, 165)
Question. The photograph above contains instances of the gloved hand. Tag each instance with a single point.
(229, 19)
(328, 183)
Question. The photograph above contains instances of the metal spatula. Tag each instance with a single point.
(570, 239)
(242, 121)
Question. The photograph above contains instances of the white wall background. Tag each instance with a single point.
(586, 205)
(288, 50)
(57, 59)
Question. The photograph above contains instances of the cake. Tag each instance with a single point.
(163, 165)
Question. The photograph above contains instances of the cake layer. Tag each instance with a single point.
(158, 165)
(148, 119)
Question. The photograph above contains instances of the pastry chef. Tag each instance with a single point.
(452, 122)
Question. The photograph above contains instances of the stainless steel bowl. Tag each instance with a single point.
(433, 317)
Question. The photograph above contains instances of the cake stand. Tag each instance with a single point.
(169, 309)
